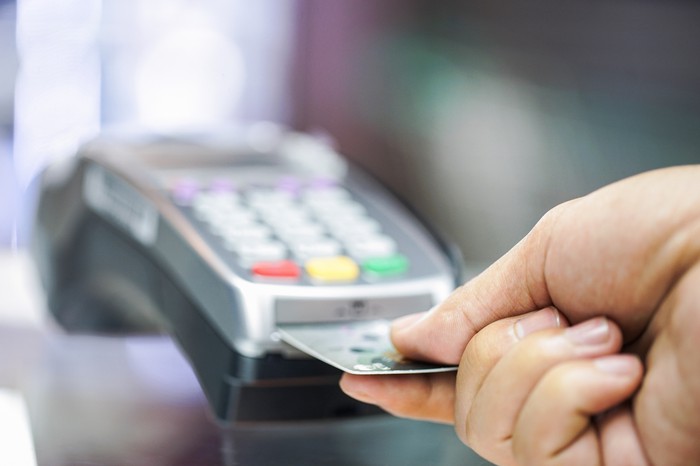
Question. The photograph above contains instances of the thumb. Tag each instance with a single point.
(512, 286)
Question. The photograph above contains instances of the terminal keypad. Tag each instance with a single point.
(291, 228)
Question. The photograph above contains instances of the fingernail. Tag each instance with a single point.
(406, 321)
(540, 320)
(591, 332)
(618, 364)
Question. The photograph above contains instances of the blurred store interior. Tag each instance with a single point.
(482, 115)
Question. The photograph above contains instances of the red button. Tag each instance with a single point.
(276, 269)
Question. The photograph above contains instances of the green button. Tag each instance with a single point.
(386, 266)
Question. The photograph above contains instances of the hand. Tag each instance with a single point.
(630, 252)
(528, 395)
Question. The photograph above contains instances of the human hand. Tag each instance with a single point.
(631, 252)
(528, 394)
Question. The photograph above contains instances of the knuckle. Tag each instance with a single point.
(546, 346)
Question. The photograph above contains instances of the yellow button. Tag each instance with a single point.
(332, 269)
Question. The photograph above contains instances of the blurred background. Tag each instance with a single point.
(482, 115)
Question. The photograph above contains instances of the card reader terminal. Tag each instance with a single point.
(219, 238)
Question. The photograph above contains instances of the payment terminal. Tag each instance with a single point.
(219, 238)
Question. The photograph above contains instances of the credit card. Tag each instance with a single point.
(359, 347)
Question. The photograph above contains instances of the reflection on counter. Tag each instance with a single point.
(134, 400)
(104, 400)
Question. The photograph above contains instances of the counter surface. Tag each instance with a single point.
(97, 400)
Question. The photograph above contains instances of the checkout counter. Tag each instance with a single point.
(93, 400)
